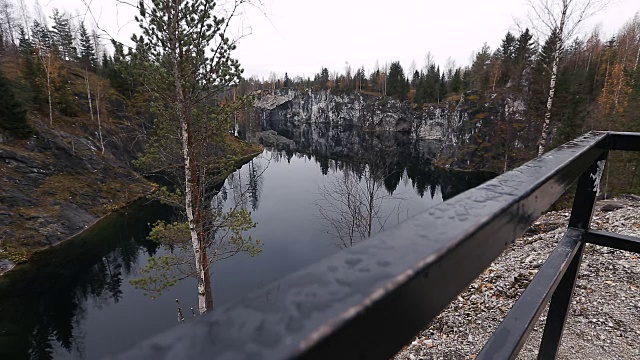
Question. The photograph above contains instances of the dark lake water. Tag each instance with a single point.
(75, 301)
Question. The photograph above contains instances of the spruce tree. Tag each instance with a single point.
(442, 92)
(105, 65)
(88, 59)
(524, 58)
(419, 97)
(430, 85)
(63, 36)
(41, 37)
(396, 81)
(24, 43)
(13, 117)
(507, 53)
(456, 82)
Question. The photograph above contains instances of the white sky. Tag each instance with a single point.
(301, 36)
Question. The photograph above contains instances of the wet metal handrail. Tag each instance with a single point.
(368, 301)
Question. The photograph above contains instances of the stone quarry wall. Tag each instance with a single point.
(461, 125)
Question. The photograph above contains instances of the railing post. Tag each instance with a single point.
(583, 204)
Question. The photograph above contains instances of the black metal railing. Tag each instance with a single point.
(368, 301)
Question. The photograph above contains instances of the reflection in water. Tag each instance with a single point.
(243, 186)
(362, 196)
(75, 301)
(396, 155)
(223, 229)
(351, 202)
(43, 303)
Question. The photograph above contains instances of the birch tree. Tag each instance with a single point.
(561, 18)
(6, 12)
(97, 99)
(98, 115)
(44, 50)
(24, 16)
(186, 66)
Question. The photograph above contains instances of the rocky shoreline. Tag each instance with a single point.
(604, 319)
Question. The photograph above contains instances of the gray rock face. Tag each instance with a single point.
(272, 139)
(366, 111)
(345, 142)
(56, 183)
(467, 127)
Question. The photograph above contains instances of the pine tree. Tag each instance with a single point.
(13, 117)
(188, 83)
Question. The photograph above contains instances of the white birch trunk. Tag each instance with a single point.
(635, 65)
(547, 116)
(48, 71)
(189, 186)
(554, 75)
(98, 116)
(188, 194)
(86, 81)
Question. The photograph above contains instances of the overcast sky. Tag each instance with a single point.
(301, 36)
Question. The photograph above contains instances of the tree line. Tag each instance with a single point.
(567, 84)
(50, 52)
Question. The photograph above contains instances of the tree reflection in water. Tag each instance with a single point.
(228, 219)
(43, 303)
(351, 202)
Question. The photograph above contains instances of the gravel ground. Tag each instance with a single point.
(604, 319)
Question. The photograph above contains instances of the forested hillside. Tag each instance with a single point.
(67, 136)
(597, 87)
(74, 117)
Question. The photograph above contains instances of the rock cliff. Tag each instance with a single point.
(58, 181)
(357, 109)
(469, 129)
